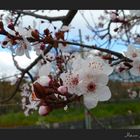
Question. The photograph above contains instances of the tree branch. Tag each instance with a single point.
(119, 55)
(17, 19)
(26, 70)
(15, 91)
(21, 69)
(59, 18)
(71, 14)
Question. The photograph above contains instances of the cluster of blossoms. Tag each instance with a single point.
(134, 67)
(29, 103)
(87, 78)
(63, 77)
(21, 40)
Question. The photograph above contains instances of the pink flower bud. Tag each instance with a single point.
(11, 26)
(63, 89)
(43, 110)
(113, 16)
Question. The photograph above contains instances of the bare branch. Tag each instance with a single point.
(118, 62)
(31, 77)
(9, 76)
(17, 19)
(59, 18)
(71, 14)
(15, 91)
(21, 69)
(26, 70)
(37, 59)
(119, 55)
(16, 64)
(67, 21)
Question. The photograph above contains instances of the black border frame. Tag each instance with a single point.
(46, 134)
(70, 4)
(52, 134)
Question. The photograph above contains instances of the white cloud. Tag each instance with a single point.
(7, 67)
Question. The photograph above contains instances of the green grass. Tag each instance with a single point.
(115, 109)
(103, 110)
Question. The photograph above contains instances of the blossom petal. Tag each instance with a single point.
(27, 43)
(20, 51)
(43, 80)
(78, 62)
(67, 81)
(98, 65)
(27, 53)
(90, 101)
(65, 28)
(102, 79)
(132, 52)
(136, 67)
(103, 93)
(45, 70)
(106, 69)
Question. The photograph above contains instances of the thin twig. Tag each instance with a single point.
(15, 91)
(58, 18)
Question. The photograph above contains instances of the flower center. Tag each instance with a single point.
(91, 87)
(74, 81)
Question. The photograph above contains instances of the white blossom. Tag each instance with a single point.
(23, 31)
(96, 64)
(93, 88)
(33, 105)
(25, 90)
(70, 80)
(135, 70)
(66, 108)
(89, 78)
(37, 48)
(23, 48)
(65, 28)
(132, 52)
(43, 80)
(23, 101)
(7, 18)
(133, 94)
